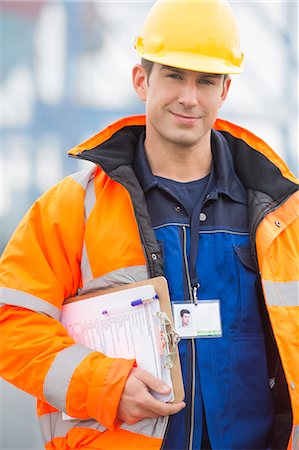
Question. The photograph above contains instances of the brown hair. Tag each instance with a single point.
(148, 67)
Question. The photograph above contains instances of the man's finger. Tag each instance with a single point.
(161, 408)
(152, 382)
(168, 409)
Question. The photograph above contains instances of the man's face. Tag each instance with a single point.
(181, 105)
(185, 319)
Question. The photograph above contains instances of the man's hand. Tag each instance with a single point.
(137, 402)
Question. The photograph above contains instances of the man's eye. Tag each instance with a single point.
(175, 76)
(206, 81)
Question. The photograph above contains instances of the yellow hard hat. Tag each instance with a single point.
(200, 35)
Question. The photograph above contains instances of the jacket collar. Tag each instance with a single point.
(257, 165)
(227, 182)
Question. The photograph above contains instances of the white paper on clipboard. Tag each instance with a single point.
(110, 324)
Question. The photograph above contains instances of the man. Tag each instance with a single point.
(185, 318)
(219, 205)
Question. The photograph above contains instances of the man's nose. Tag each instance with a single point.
(189, 94)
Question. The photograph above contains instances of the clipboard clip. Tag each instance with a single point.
(169, 340)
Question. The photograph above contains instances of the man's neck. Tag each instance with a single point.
(179, 163)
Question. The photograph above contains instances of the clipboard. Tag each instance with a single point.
(170, 338)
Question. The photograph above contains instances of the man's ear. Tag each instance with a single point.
(225, 88)
(139, 78)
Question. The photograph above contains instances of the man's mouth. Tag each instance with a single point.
(185, 117)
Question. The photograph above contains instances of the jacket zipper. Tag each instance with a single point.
(190, 444)
(252, 233)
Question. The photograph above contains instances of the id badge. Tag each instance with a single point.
(200, 320)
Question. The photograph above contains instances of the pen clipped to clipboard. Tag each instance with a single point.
(131, 321)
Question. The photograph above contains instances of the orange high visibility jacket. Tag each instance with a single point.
(91, 231)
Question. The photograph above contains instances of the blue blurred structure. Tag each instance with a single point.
(65, 73)
(33, 119)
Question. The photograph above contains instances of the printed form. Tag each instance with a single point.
(120, 325)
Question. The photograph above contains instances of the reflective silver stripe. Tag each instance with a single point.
(90, 198)
(279, 293)
(58, 378)
(236, 233)
(83, 176)
(86, 272)
(295, 443)
(89, 202)
(115, 278)
(186, 225)
(15, 297)
(148, 427)
(52, 425)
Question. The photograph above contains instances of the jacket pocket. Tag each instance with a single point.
(242, 300)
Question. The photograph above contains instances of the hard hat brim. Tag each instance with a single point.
(197, 63)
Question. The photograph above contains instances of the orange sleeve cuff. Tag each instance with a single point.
(112, 388)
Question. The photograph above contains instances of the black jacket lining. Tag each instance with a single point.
(254, 169)
(257, 172)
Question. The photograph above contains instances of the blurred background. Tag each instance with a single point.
(65, 73)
